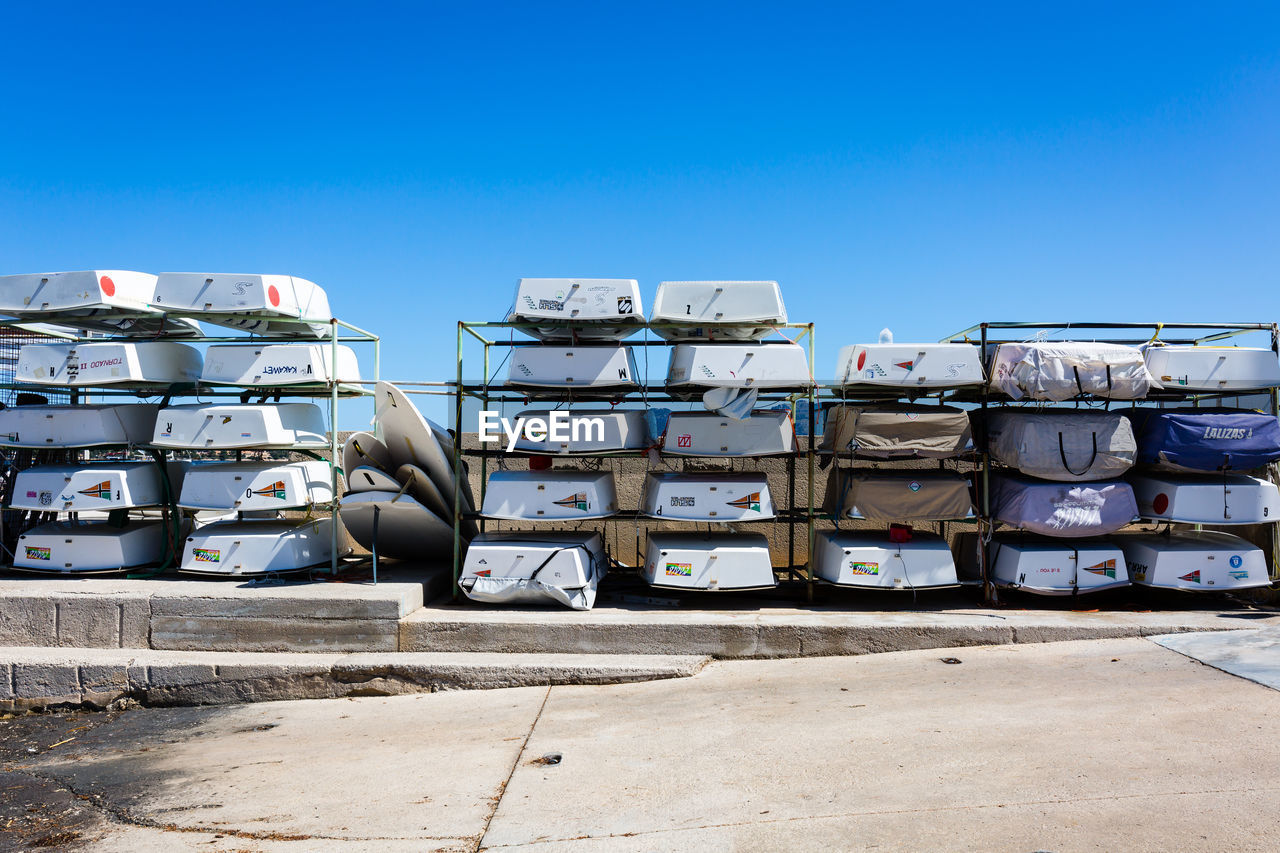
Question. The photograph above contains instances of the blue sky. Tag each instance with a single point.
(921, 166)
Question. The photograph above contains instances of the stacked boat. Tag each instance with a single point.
(872, 439)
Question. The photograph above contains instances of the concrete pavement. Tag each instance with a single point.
(1095, 745)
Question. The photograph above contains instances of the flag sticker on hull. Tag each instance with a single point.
(101, 491)
(1191, 577)
(1107, 568)
(864, 568)
(275, 490)
(37, 553)
(680, 570)
(578, 502)
(206, 555)
(750, 502)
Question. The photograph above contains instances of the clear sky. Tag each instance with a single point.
(921, 166)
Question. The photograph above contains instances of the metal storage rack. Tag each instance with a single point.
(338, 332)
(989, 334)
(486, 392)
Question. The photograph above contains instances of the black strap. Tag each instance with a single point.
(1062, 452)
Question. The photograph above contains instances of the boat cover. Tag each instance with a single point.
(897, 430)
(898, 495)
(1205, 439)
(1063, 509)
(1061, 370)
(575, 559)
(1061, 445)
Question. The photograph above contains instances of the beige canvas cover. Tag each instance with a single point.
(897, 431)
(898, 495)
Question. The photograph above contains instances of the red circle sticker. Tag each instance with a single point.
(862, 359)
(273, 295)
(108, 286)
(1160, 504)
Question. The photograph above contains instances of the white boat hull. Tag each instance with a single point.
(256, 486)
(712, 562)
(534, 568)
(578, 308)
(598, 368)
(80, 488)
(784, 366)
(273, 365)
(550, 495)
(112, 301)
(77, 426)
(108, 363)
(1047, 567)
(763, 433)
(261, 304)
(362, 448)
(707, 497)
(406, 529)
(71, 547)
(910, 365)
(243, 548)
(281, 426)
(1206, 561)
(618, 430)
(1206, 499)
(1208, 368)
(718, 310)
(871, 561)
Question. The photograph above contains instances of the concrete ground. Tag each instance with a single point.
(1117, 744)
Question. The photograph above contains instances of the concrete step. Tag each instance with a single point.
(41, 678)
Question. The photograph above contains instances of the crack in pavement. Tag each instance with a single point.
(502, 789)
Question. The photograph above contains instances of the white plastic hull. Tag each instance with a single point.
(411, 439)
(256, 486)
(550, 495)
(362, 448)
(618, 430)
(80, 488)
(366, 478)
(113, 301)
(1207, 368)
(581, 308)
(598, 368)
(112, 363)
(273, 365)
(712, 562)
(764, 433)
(1207, 499)
(718, 310)
(1057, 568)
(280, 426)
(910, 365)
(871, 561)
(405, 528)
(707, 497)
(77, 426)
(240, 548)
(738, 366)
(71, 547)
(1207, 561)
(261, 304)
(534, 568)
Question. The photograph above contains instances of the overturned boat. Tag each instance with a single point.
(1190, 439)
(762, 433)
(717, 310)
(578, 308)
(589, 369)
(260, 304)
(767, 365)
(1065, 445)
(273, 365)
(1182, 367)
(708, 561)
(574, 431)
(891, 496)
(81, 487)
(276, 426)
(1200, 561)
(1063, 370)
(108, 363)
(109, 301)
(363, 448)
(258, 547)
(404, 528)
(872, 560)
(534, 568)
(256, 486)
(56, 426)
(411, 439)
(1206, 498)
(897, 431)
(707, 497)
(1062, 509)
(910, 365)
(550, 495)
(1055, 567)
(74, 547)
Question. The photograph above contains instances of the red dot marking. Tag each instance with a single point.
(108, 286)
(273, 295)
(1160, 504)
(862, 359)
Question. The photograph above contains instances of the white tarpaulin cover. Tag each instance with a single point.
(535, 568)
(1063, 509)
(1061, 370)
(1061, 444)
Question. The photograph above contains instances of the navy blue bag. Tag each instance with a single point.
(1205, 439)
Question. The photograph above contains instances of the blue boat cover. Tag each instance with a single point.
(1205, 439)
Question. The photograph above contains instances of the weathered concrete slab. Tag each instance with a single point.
(36, 678)
(272, 634)
(1254, 655)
